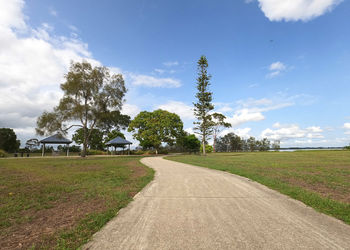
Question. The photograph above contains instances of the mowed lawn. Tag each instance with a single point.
(60, 202)
(320, 179)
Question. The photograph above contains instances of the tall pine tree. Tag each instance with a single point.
(203, 106)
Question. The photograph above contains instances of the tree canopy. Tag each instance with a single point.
(152, 129)
(219, 124)
(95, 140)
(90, 96)
(8, 140)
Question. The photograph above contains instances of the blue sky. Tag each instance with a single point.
(280, 68)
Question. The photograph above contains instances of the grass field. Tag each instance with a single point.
(320, 179)
(60, 202)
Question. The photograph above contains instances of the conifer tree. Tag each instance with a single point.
(203, 106)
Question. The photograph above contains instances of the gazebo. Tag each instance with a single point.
(119, 142)
(55, 139)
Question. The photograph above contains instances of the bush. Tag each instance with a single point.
(163, 151)
(137, 152)
(208, 148)
(2, 153)
(95, 152)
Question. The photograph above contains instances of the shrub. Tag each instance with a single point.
(137, 152)
(2, 153)
(163, 151)
(95, 152)
(208, 148)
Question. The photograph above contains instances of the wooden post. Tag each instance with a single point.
(129, 150)
(67, 150)
(43, 150)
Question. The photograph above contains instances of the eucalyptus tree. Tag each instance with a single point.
(89, 93)
(219, 124)
(203, 106)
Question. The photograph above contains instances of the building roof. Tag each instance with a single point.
(118, 141)
(56, 139)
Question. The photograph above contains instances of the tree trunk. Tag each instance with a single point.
(83, 154)
(203, 143)
(214, 143)
(156, 151)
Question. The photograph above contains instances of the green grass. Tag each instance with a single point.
(60, 202)
(320, 179)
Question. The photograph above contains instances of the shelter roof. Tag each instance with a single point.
(56, 139)
(118, 141)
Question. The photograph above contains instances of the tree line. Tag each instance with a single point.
(234, 143)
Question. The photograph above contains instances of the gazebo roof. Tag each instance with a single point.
(56, 139)
(118, 141)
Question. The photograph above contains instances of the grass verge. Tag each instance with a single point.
(320, 179)
(61, 202)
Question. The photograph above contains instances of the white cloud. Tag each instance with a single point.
(346, 125)
(171, 64)
(251, 110)
(131, 110)
(290, 131)
(277, 66)
(183, 110)
(243, 116)
(151, 81)
(159, 71)
(295, 10)
(347, 128)
(33, 62)
(276, 69)
(53, 12)
(242, 132)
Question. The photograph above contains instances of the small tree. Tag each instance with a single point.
(252, 144)
(8, 140)
(89, 94)
(152, 129)
(219, 124)
(203, 106)
(276, 145)
(191, 143)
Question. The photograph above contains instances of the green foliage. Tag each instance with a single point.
(219, 123)
(191, 143)
(95, 140)
(2, 153)
(113, 121)
(96, 152)
(91, 95)
(8, 140)
(208, 148)
(233, 143)
(204, 105)
(152, 129)
(276, 145)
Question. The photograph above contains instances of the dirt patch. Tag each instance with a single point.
(45, 223)
(321, 189)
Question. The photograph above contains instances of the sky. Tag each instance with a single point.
(280, 68)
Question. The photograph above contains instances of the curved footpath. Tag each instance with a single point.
(189, 207)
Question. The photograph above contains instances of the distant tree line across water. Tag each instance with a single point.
(234, 143)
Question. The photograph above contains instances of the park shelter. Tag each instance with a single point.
(119, 142)
(55, 139)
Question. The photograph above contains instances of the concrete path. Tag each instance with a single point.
(188, 207)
